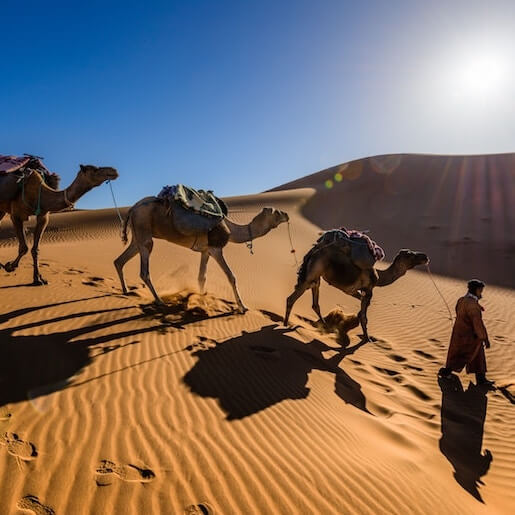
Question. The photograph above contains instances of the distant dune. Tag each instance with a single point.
(111, 405)
(458, 209)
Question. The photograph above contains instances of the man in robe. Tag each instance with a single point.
(469, 337)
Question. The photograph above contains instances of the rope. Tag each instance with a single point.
(292, 251)
(250, 244)
(116, 207)
(438, 290)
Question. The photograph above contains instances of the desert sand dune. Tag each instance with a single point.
(109, 404)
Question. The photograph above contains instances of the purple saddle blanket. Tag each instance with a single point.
(13, 163)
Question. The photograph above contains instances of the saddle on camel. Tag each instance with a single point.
(19, 166)
(193, 211)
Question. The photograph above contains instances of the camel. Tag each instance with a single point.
(149, 219)
(332, 261)
(35, 197)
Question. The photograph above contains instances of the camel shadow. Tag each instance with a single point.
(32, 365)
(257, 370)
(463, 418)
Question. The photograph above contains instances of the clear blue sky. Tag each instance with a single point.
(242, 96)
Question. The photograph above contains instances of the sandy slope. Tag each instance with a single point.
(108, 405)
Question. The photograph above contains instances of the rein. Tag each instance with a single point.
(440, 293)
(116, 207)
(250, 244)
(292, 251)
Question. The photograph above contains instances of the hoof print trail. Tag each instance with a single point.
(202, 508)
(23, 450)
(108, 471)
(33, 504)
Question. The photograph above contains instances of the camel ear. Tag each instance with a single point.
(81, 167)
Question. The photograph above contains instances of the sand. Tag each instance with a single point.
(110, 405)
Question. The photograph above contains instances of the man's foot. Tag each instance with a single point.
(445, 373)
(485, 382)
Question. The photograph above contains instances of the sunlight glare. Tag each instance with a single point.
(480, 75)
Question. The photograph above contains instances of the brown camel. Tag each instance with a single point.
(149, 218)
(34, 197)
(332, 261)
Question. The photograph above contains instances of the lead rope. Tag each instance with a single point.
(250, 244)
(116, 207)
(438, 290)
(292, 251)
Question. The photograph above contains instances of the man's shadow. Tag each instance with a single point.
(256, 370)
(463, 418)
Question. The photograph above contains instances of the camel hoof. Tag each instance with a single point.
(242, 310)
(39, 282)
(10, 267)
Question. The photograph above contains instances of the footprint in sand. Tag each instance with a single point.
(108, 471)
(202, 508)
(19, 448)
(33, 504)
(387, 371)
(397, 358)
(93, 281)
(424, 354)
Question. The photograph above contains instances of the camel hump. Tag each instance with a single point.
(364, 252)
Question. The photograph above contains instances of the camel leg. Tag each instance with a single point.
(122, 259)
(315, 290)
(217, 255)
(204, 257)
(362, 315)
(22, 244)
(144, 250)
(2, 214)
(41, 223)
(294, 297)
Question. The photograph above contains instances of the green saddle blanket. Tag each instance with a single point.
(194, 212)
(199, 201)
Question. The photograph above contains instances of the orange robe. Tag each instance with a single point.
(468, 335)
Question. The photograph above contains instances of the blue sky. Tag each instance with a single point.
(242, 96)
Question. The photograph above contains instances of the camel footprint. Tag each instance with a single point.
(33, 504)
(108, 471)
(19, 448)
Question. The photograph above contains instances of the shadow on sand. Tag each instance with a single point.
(254, 371)
(32, 365)
(463, 418)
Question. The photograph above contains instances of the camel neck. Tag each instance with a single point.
(391, 274)
(248, 232)
(52, 200)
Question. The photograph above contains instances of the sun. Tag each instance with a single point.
(480, 75)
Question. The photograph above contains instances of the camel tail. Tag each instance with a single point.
(125, 225)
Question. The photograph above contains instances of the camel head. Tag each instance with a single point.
(95, 175)
(409, 259)
(273, 217)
